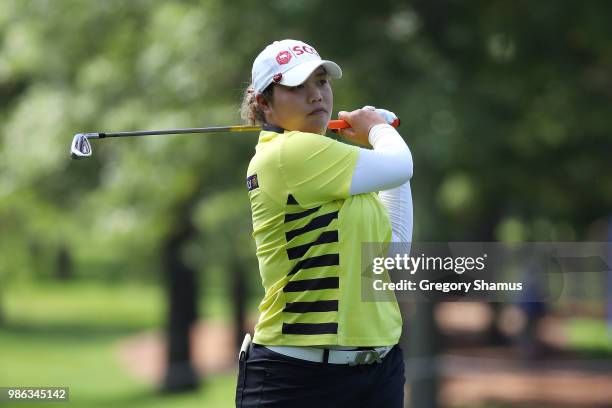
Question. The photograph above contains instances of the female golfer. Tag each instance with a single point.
(314, 201)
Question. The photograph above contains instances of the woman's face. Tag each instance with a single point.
(306, 107)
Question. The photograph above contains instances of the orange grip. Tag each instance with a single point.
(342, 124)
(338, 124)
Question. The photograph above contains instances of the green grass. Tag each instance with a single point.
(67, 334)
(590, 336)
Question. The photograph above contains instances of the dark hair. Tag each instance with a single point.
(250, 111)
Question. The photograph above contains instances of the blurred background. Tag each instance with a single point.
(130, 277)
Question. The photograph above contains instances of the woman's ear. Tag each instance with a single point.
(261, 100)
(265, 105)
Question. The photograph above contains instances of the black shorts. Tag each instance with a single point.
(270, 379)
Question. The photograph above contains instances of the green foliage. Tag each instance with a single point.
(504, 105)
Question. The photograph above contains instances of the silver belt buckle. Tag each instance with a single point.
(366, 357)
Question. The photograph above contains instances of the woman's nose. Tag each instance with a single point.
(314, 94)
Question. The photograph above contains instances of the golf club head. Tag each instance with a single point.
(80, 148)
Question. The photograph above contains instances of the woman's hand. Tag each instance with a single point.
(361, 121)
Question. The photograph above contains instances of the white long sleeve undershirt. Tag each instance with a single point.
(387, 169)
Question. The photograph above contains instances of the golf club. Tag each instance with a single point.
(81, 148)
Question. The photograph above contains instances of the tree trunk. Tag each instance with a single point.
(182, 300)
(64, 264)
(423, 351)
(239, 294)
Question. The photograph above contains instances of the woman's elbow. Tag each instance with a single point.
(406, 167)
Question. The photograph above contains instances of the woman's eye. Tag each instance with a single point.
(323, 81)
(293, 88)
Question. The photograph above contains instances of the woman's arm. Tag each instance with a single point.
(398, 202)
(389, 165)
(387, 169)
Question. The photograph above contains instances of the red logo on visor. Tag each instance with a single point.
(283, 57)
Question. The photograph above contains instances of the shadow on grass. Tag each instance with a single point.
(155, 397)
(140, 398)
(70, 331)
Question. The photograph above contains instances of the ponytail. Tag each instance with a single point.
(250, 111)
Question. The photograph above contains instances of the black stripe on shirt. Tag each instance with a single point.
(291, 200)
(310, 328)
(316, 223)
(300, 250)
(316, 261)
(312, 284)
(297, 216)
(307, 307)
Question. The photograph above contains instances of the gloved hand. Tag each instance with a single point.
(361, 121)
(389, 116)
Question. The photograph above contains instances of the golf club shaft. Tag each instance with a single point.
(333, 124)
(211, 129)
